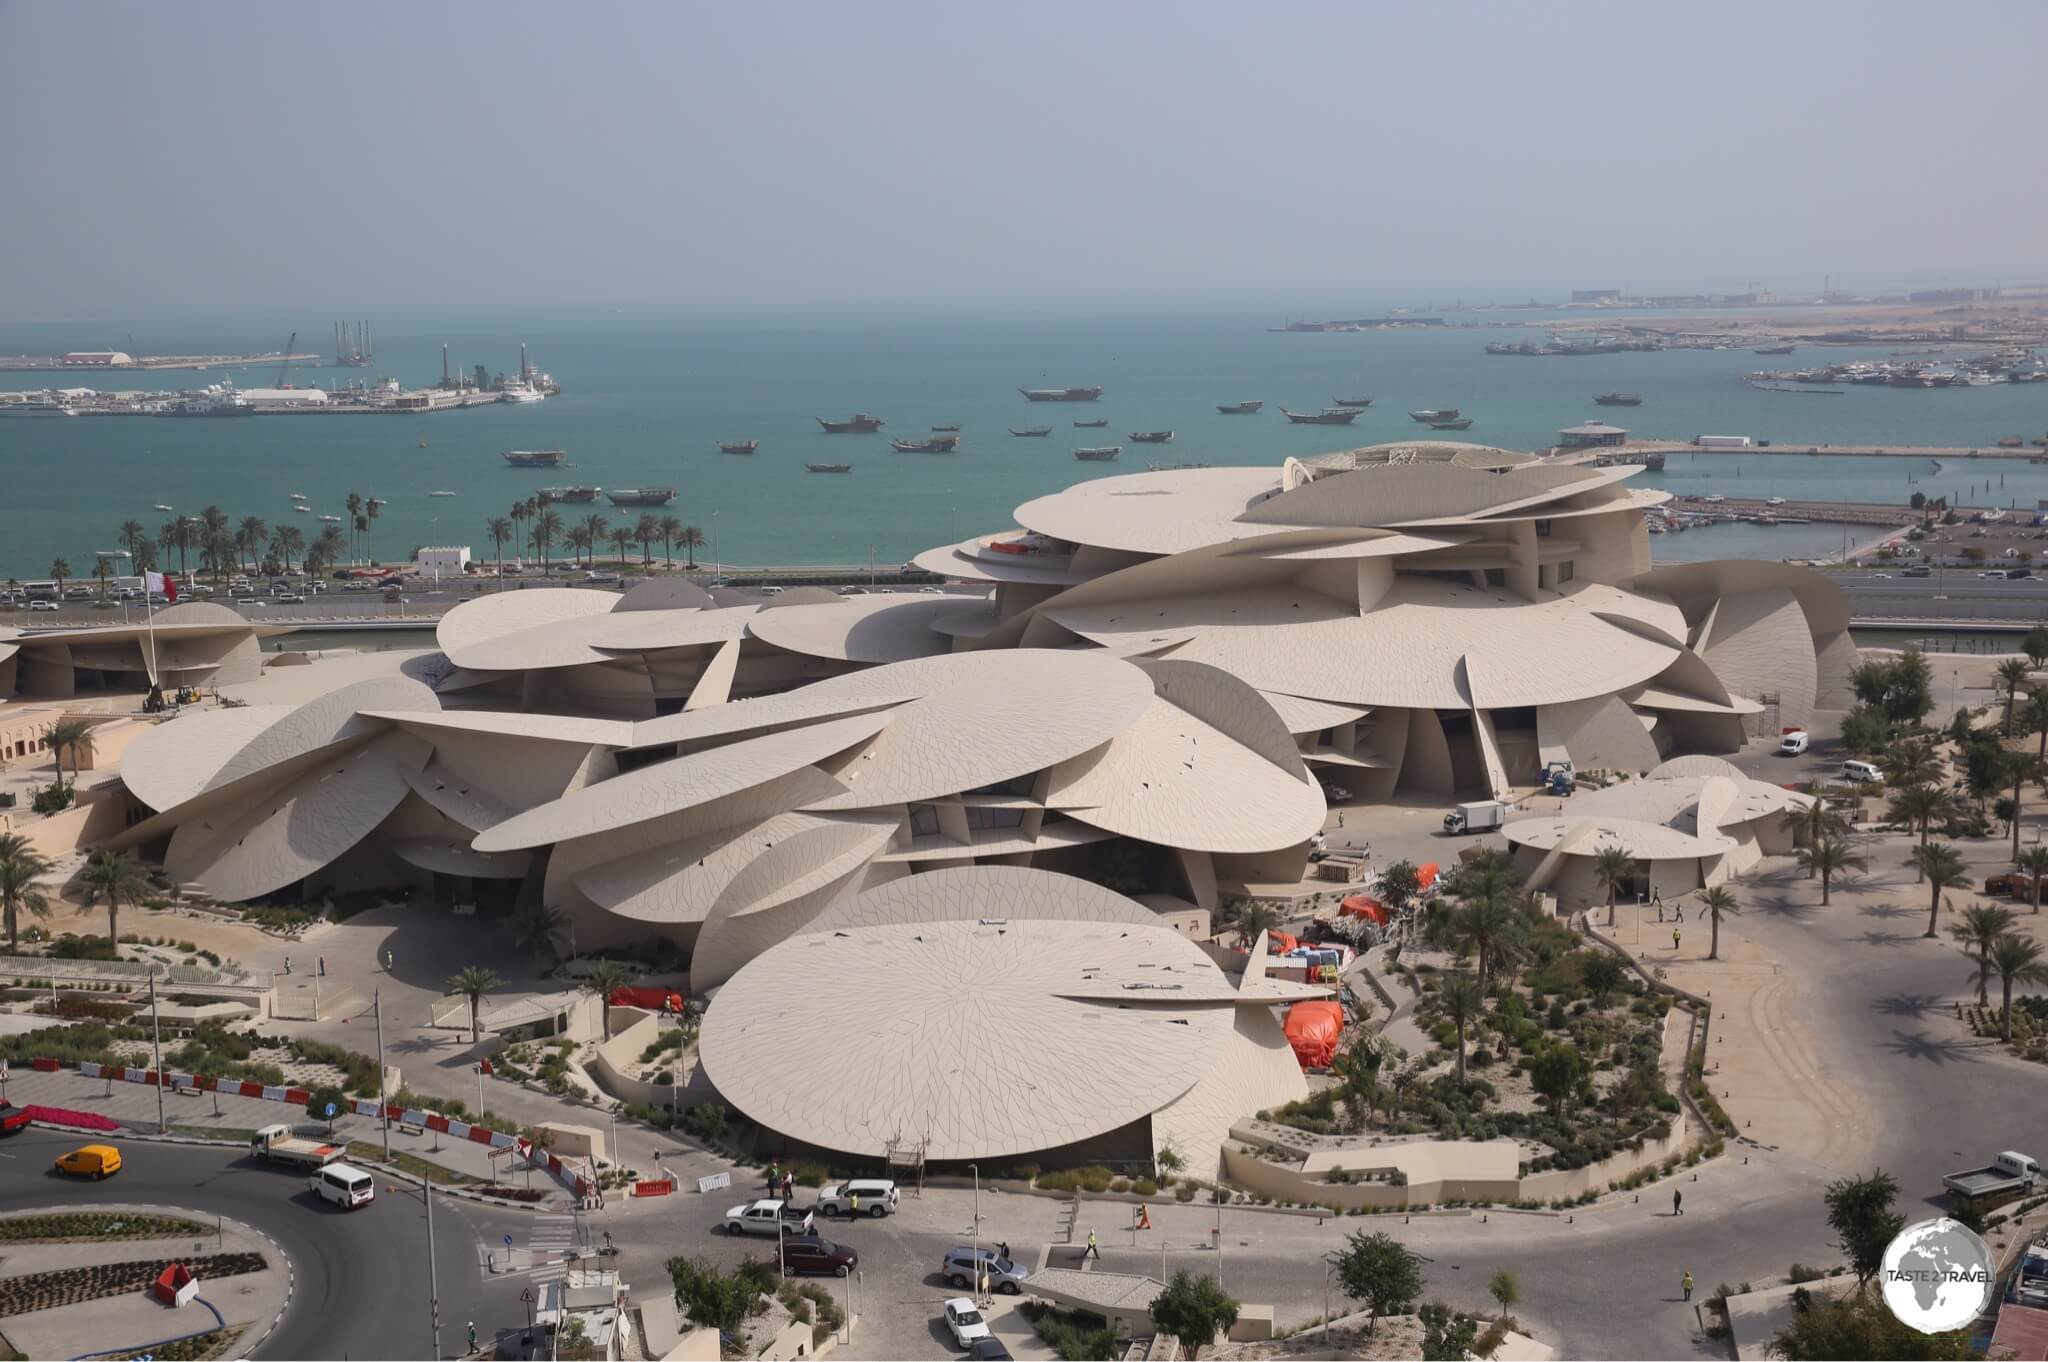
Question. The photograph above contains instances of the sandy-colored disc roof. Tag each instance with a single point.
(758, 714)
(1427, 644)
(978, 1039)
(984, 717)
(681, 783)
(175, 761)
(871, 629)
(464, 631)
(970, 893)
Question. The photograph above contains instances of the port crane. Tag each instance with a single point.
(286, 363)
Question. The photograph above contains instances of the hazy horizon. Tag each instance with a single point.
(255, 160)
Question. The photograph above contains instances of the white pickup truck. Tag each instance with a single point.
(2010, 1174)
(767, 1217)
(278, 1144)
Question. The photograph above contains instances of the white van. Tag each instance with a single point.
(1792, 744)
(344, 1184)
(1862, 772)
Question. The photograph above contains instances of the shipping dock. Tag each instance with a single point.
(120, 361)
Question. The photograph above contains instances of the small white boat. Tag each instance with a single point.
(161, 507)
(303, 509)
(1774, 501)
(296, 496)
(440, 494)
(333, 519)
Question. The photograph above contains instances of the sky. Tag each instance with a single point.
(171, 159)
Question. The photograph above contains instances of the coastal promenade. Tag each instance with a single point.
(1843, 451)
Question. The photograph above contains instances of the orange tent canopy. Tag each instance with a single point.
(1425, 874)
(1313, 1029)
(1358, 905)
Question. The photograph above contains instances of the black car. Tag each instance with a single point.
(990, 1348)
(812, 1253)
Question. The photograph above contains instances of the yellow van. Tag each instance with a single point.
(92, 1160)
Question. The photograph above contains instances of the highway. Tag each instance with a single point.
(361, 1277)
(1960, 594)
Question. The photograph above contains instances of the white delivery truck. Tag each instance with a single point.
(1723, 442)
(278, 1144)
(1478, 816)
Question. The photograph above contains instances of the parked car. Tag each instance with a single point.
(93, 1161)
(877, 1197)
(1794, 743)
(767, 1216)
(965, 1322)
(817, 1255)
(42, 605)
(290, 598)
(12, 1118)
(1004, 1274)
(989, 1349)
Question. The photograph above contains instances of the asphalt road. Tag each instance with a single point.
(361, 1277)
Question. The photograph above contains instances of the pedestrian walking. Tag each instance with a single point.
(1674, 938)
(1092, 1248)
(788, 1185)
(472, 1335)
(323, 967)
(1340, 818)
(287, 964)
(1677, 1202)
(1003, 1251)
(389, 960)
(774, 1179)
(1687, 1284)
(852, 1204)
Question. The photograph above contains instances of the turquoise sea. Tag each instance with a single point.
(645, 399)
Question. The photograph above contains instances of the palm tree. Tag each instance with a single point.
(328, 544)
(2011, 675)
(1942, 866)
(355, 511)
(622, 539)
(1818, 823)
(362, 529)
(1920, 804)
(499, 529)
(117, 877)
(1717, 901)
(20, 866)
(691, 539)
(289, 541)
(1462, 999)
(133, 536)
(176, 534)
(1256, 917)
(1910, 763)
(1613, 868)
(371, 508)
(2034, 860)
(545, 527)
(518, 516)
(579, 539)
(1981, 926)
(606, 977)
(670, 528)
(102, 568)
(60, 569)
(536, 925)
(250, 535)
(1491, 927)
(645, 532)
(2033, 718)
(2020, 767)
(211, 536)
(73, 736)
(1828, 858)
(473, 983)
(2016, 960)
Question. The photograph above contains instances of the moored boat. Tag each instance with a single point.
(738, 446)
(1359, 402)
(937, 444)
(1428, 415)
(1456, 423)
(860, 423)
(1240, 408)
(1619, 400)
(536, 458)
(1061, 394)
(1151, 437)
(641, 496)
(441, 494)
(955, 427)
(1098, 453)
(1090, 425)
(1328, 416)
(829, 467)
(571, 495)
(1031, 432)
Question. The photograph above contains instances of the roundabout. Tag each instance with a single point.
(331, 1283)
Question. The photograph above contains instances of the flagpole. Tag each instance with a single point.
(149, 611)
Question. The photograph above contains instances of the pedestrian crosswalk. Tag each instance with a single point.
(542, 1259)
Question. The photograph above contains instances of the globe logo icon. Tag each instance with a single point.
(1937, 1276)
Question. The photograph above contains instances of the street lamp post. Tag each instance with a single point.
(979, 1275)
(156, 1046)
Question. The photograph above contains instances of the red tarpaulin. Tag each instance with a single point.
(1358, 905)
(1425, 874)
(1313, 1029)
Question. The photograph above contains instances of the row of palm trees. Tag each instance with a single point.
(222, 545)
(533, 527)
(1998, 952)
(537, 927)
(1614, 869)
(110, 877)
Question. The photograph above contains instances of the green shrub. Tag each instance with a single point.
(1092, 1178)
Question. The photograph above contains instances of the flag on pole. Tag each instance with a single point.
(160, 584)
